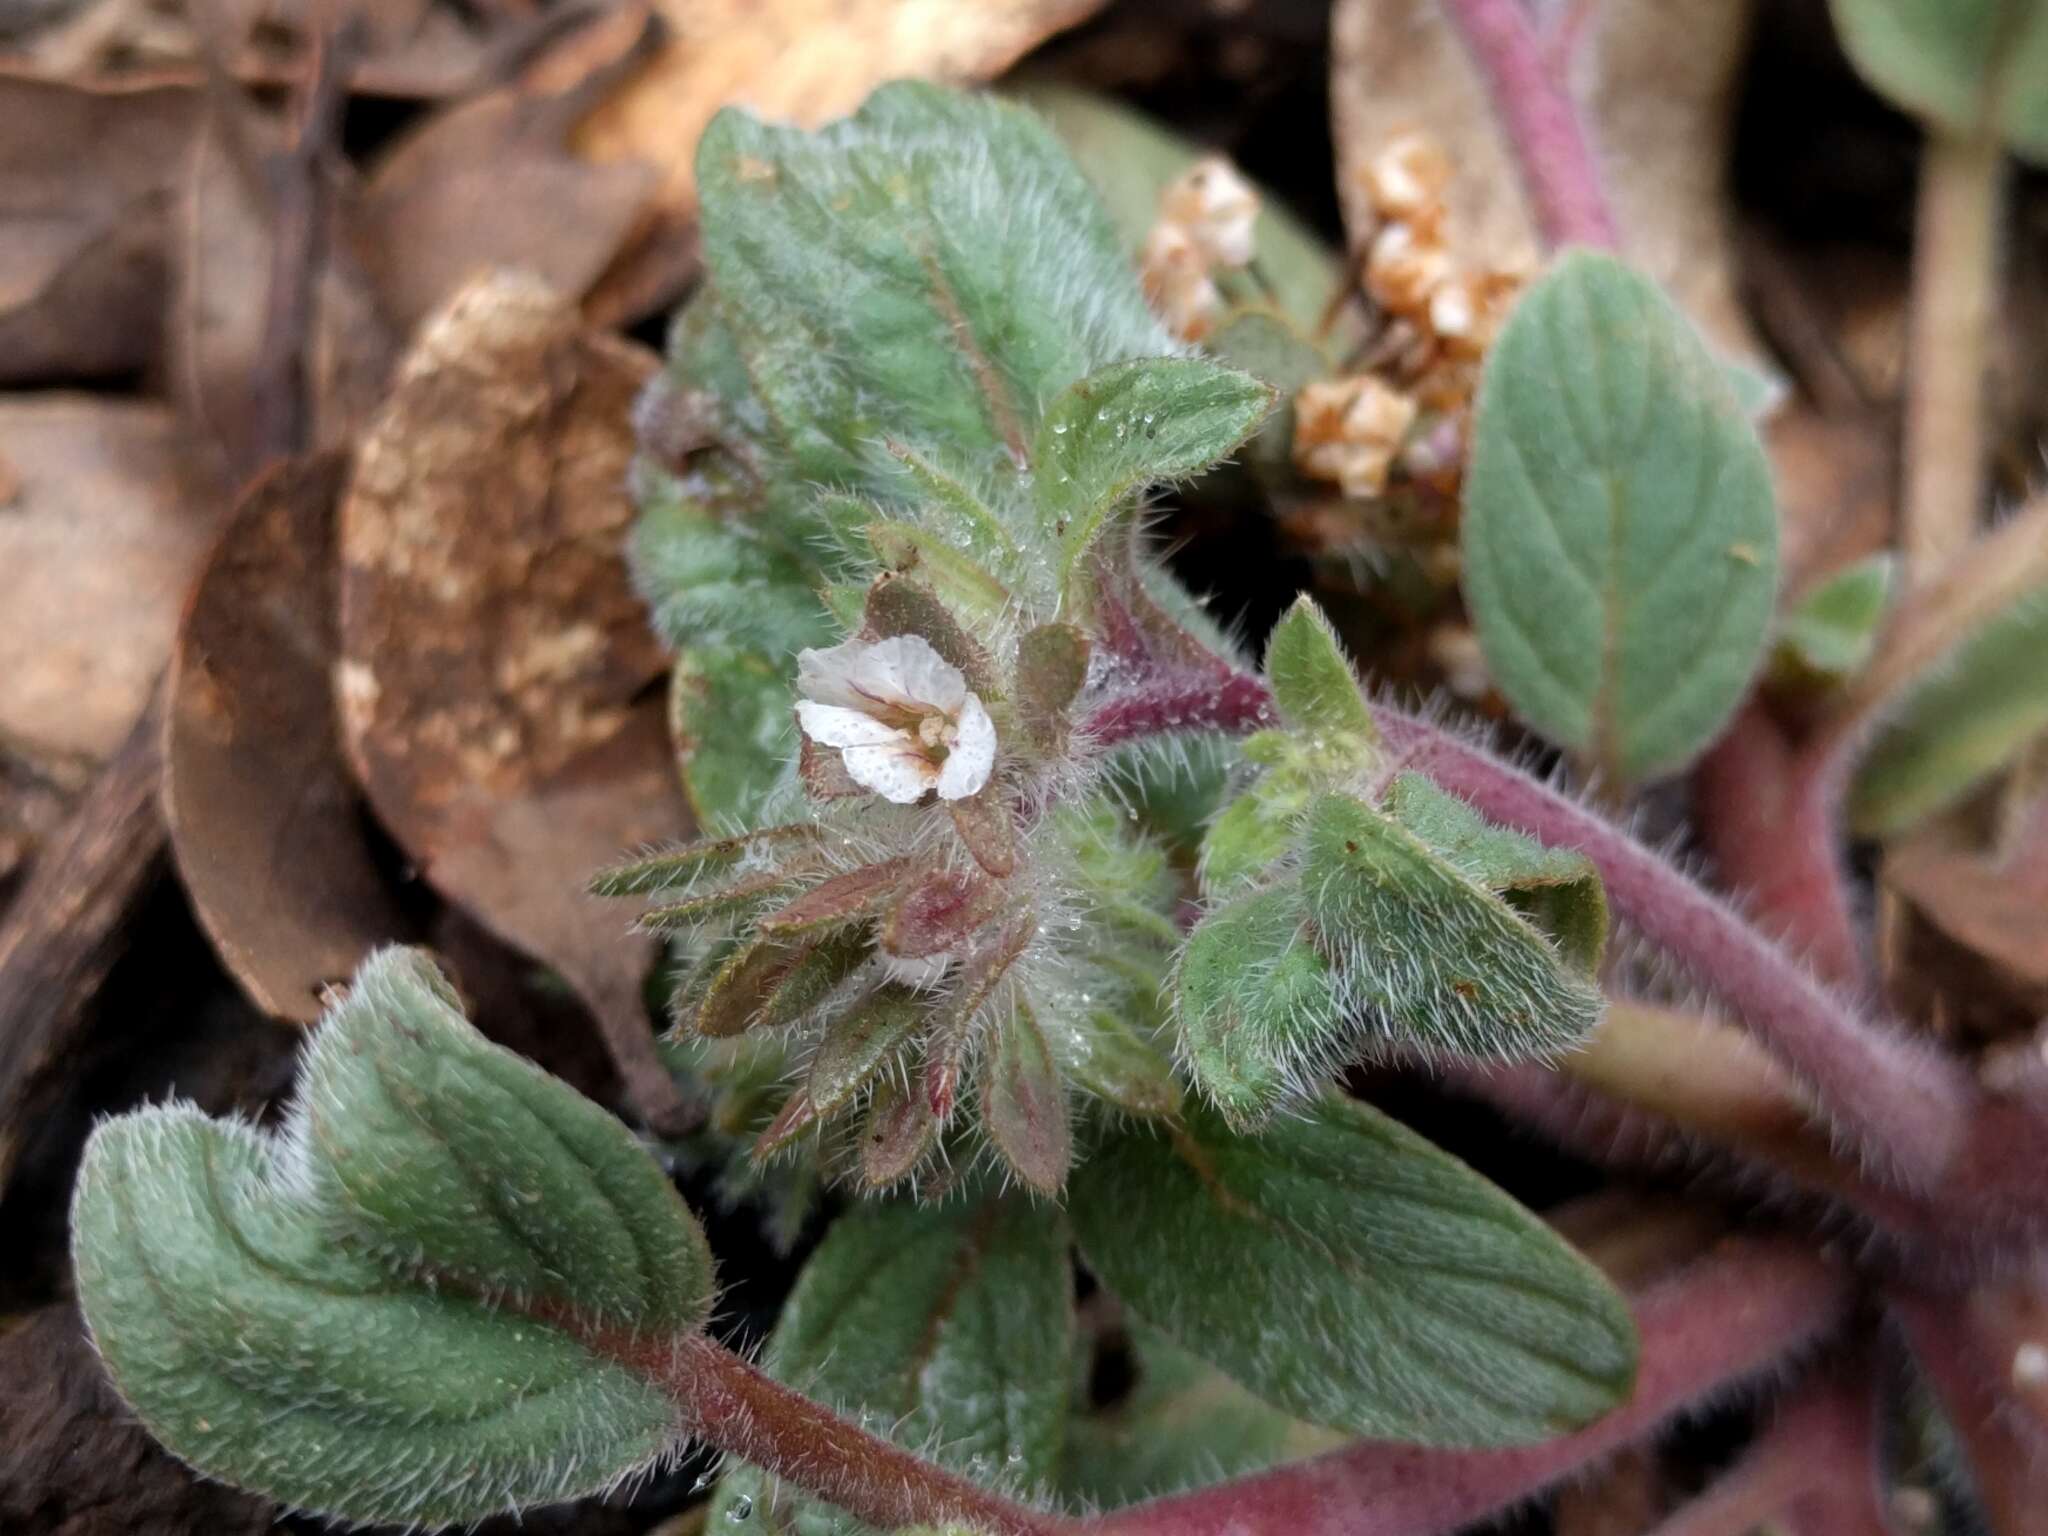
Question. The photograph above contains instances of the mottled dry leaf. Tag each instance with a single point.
(496, 662)
(265, 822)
(492, 183)
(97, 548)
(85, 190)
(802, 61)
(1656, 83)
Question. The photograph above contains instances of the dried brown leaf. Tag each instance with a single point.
(803, 61)
(491, 182)
(496, 663)
(85, 191)
(228, 228)
(97, 548)
(1992, 902)
(265, 822)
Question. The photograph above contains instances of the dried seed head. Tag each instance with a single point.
(1348, 431)
(1406, 180)
(1216, 208)
(1177, 282)
(1404, 268)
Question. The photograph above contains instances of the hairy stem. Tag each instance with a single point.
(730, 1404)
(1769, 818)
(1736, 1312)
(1955, 285)
(1904, 1105)
(1542, 126)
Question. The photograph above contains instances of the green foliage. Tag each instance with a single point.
(1132, 425)
(1620, 536)
(1424, 1305)
(729, 716)
(941, 1327)
(1978, 710)
(348, 1316)
(1832, 630)
(1969, 67)
(1183, 1424)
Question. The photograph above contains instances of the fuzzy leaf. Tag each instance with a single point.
(1620, 535)
(1105, 1056)
(1428, 1307)
(1972, 717)
(1131, 425)
(962, 584)
(852, 896)
(730, 716)
(1557, 889)
(1966, 66)
(908, 275)
(1833, 628)
(900, 1129)
(1313, 683)
(940, 913)
(1024, 1104)
(679, 868)
(1256, 1003)
(941, 1326)
(1052, 666)
(303, 1315)
(1183, 1425)
(988, 828)
(710, 583)
(1433, 955)
(859, 1043)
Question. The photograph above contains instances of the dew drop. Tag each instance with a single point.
(1059, 429)
(740, 1510)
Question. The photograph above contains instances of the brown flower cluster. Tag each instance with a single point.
(1206, 219)
(1408, 402)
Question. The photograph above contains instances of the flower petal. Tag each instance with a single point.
(831, 725)
(898, 772)
(972, 755)
(828, 676)
(924, 971)
(918, 674)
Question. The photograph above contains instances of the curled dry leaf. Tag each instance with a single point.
(265, 822)
(1993, 902)
(803, 61)
(496, 663)
(492, 182)
(98, 543)
(85, 193)
(1656, 83)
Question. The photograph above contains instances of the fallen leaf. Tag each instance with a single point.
(85, 191)
(265, 822)
(496, 664)
(492, 183)
(97, 549)
(800, 61)
(1656, 84)
(228, 227)
(1993, 902)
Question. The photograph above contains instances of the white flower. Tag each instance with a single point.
(900, 715)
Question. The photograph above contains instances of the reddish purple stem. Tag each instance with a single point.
(1733, 1314)
(1542, 127)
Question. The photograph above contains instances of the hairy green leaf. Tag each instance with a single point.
(943, 1327)
(1972, 717)
(1423, 1304)
(347, 1316)
(1024, 1104)
(1427, 950)
(1313, 683)
(908, 275)
(1131, 425)
(1259, 1011)
(731, 717)
(1967, 66)
(1183, 1424)
(1620, 535)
